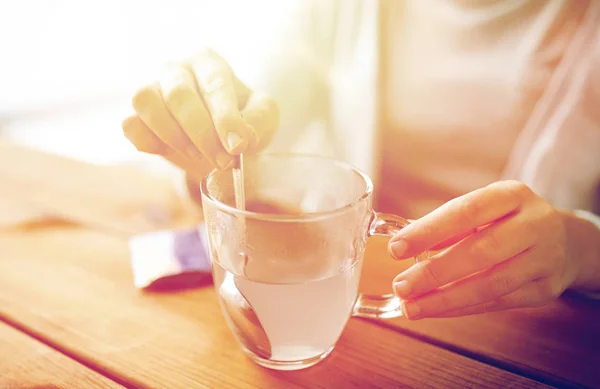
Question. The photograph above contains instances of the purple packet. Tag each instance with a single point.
(170, 259)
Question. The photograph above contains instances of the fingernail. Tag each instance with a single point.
(223, 160)
(234, 140)
(402, 288)
(398, 248)
(411, 310)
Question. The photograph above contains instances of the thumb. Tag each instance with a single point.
(262, 114)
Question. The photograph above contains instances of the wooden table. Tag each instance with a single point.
(70, 316)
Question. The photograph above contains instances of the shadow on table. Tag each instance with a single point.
(180, 282)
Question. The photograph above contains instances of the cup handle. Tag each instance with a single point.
(386, 306)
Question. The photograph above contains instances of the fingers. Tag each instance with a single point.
(217, 87)
(262, 114)
(203, 112)
(150, 107)
(533, 294)
(486, 248)
(488, 285)
(146, 141)
(455, 239)
(141, 137)
(185, 105)
(458, 216)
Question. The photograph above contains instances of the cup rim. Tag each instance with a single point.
(308, 216)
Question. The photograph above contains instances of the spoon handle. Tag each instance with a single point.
(240, 198)
(238, 181)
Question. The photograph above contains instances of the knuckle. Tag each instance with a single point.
(207, 59)
(549, 289)
(517, 189)
(201, 55)
(486, 247)
(469, 211)
(215, 83)
(546, 262)
(143, 97)
(179, 97)
(205, 53)
(500, 285)
(264, 111)
(531, 227)
(550, 215)
(430, 273)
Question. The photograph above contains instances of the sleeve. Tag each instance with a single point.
(581, 126)
(558, 152)
(587, 118)
(595, 220)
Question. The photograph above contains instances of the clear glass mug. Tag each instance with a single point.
(287, 268)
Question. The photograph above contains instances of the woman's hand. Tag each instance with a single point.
(502, 247)
(198, 114)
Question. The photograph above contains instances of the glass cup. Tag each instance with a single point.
(287, 268)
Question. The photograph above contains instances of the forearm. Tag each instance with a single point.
(583, 234)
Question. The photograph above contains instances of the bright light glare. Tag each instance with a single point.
(78, 62)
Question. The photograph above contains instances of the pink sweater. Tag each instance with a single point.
(466, 93)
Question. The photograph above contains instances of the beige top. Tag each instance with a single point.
(461, 79)
(481, 75)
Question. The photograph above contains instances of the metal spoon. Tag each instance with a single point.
(238, 182)
(245, 322)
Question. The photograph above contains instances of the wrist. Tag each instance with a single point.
(583, 249)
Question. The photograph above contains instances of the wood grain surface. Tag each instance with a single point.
(558, 343)
(26, 363)
(120, 199)
(72, 288)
